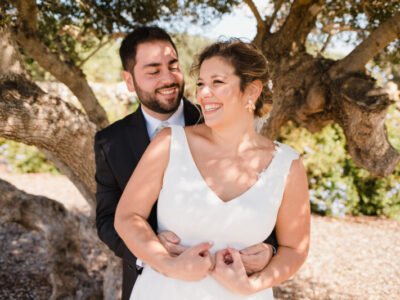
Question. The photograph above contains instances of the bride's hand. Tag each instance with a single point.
(229, 271)
(193, 264)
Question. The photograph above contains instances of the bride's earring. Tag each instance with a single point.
(250, 106)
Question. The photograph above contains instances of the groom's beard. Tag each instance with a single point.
(150, 100)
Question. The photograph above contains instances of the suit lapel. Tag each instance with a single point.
(137, 133)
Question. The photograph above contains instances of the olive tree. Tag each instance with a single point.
(309, 89)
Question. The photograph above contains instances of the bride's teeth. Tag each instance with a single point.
(209, 107)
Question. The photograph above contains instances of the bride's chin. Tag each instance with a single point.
(212, 123)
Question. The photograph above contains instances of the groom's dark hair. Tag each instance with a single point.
(144, 34)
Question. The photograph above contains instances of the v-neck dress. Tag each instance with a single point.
(189, 208)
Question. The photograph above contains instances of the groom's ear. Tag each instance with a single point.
(127, 76)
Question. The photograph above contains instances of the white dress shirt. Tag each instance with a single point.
(152, 123)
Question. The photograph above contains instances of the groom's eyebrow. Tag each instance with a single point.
(157, 64)
(152, 65)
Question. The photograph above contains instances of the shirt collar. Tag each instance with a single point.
(152, 123)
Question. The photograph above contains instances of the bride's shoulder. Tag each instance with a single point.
(198, 130)
(162, 139)
(286, 150)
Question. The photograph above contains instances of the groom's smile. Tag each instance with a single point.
(157, 77)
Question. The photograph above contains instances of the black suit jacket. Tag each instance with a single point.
(118, 149)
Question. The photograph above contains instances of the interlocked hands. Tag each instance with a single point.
(230, 267)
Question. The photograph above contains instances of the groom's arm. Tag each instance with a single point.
(256, 257)
(108, 194)
(271, 241)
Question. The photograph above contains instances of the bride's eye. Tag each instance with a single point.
(199, 84)
(217, 81)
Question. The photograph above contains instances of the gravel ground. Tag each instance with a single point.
(351, 258)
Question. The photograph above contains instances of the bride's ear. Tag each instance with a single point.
(254, 89)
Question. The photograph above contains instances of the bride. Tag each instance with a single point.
(221, 187)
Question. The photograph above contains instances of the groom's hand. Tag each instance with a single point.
(256, 257)
(171, 242)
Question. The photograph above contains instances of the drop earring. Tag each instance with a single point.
(250, 106)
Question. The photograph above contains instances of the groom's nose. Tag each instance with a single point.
(168, 77)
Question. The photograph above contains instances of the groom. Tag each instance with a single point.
(151, 69)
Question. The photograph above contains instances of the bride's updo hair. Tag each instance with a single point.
(249, 64)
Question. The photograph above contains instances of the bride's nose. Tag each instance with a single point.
(204, 92)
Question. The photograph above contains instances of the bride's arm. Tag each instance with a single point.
(293, 235)
(139, 196)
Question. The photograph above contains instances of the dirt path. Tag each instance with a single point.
(352, 258)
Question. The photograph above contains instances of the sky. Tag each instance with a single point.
(240, 23)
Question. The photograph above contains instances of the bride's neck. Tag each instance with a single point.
(236, 138)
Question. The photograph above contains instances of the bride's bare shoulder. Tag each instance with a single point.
(267, 143)
(197, 131)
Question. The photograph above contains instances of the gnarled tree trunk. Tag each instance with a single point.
(314, 91)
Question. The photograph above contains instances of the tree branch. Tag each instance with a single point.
(272, 19)
(261, 27)
(292, 35)
(256, 13)
(10, 61)
(328, 39)
(377, 40)
(73, 77)
(101, 45)
(30, 116)
(335, 28)
(70, 173)
(28, 8)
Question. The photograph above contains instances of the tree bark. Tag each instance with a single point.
(291, 37)
(27, 35)
(261, 25)
(30, 116)
(360, 108)
(10, 61)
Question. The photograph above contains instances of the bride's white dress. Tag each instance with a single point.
(189, 208)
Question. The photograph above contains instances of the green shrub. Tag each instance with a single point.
(337, 186)
(24, 159)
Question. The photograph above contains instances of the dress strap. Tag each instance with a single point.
(279, 169)
(284, 157)
(178, 144)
